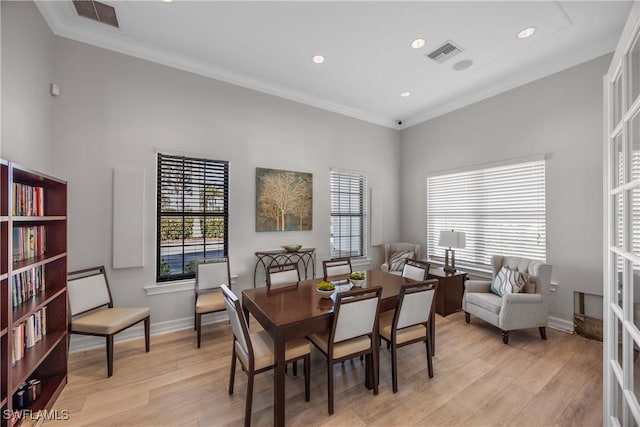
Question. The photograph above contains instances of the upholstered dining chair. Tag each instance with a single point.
(396, 253)
(516, 298)
(210, 275)
(255, 351)
(336, 267)
(409, 322)
(93, 313)
(415, 269)
(282, 275)
(354, 332)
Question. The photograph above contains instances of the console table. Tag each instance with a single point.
(450, 290)
(304, 257)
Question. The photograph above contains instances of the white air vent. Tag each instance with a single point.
(444, 52)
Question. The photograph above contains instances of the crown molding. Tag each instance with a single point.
(54, 15)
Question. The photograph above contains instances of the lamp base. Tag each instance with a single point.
(449, 268)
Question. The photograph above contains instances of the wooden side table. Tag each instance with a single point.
(304, 257)
(450, 290)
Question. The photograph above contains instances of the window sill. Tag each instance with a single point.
(177, 286)
(360, 262)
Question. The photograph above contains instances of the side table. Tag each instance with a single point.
(450, 290)
(304, 257)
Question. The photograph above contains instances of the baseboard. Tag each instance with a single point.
(560, 324)
(85, 342)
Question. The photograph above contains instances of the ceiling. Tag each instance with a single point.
(268, 46)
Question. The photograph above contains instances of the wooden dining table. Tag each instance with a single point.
(298, 310)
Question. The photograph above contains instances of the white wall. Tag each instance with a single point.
(27, 68)
(559, 116)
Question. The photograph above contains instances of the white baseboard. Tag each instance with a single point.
(560, 324)
(85, 342)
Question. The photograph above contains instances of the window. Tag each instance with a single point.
(501, 210)
(193, 214)
(348, 214)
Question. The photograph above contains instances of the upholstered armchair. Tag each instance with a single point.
(395, 255)
(527, 307)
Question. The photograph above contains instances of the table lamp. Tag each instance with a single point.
(451, 239)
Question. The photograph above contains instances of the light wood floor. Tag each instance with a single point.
(478, 382)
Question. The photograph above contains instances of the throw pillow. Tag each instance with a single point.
(396, 261)
(508, 281)
(530, 286)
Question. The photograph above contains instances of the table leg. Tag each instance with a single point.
(278, 387)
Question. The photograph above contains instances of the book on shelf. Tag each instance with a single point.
(28, 242)
(27, 200)
(27, 334)
(27, 284)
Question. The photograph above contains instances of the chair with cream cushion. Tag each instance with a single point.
(210, 275)
(395, 255)
(527, 308)
(336, 267)
(92, 311)
(255, 351)
(409, 322)
(354, 332)
(415, 269)
(281, 275)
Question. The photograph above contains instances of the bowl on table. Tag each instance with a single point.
(291, 248)
(357, 283)
(325, 294)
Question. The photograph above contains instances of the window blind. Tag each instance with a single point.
(348, 214)
(192, 214)
(501, 210)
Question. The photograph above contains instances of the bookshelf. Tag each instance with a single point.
(33, 292)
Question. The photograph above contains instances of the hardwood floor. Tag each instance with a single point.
(478, 381)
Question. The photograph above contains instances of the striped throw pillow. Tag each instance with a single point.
(508, 282)
(396, 260)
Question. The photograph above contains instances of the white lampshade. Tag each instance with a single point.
(452, 239)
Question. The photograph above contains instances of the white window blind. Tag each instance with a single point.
(501, 210)
(348, 214)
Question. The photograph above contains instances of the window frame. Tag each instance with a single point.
(210, 171)
(336, 176)
(474, 209)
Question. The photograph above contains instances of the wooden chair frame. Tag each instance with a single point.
(197, 318)
(423, 265)
(335, 262)
(94, 271)
(280, 268)
(410, 288)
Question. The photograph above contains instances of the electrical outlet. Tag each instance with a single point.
(553, 287)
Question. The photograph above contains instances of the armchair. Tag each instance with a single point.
(396, 253)
(526, 309)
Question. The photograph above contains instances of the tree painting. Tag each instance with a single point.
(283, 200)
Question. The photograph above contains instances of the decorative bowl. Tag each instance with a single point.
(357, 283)
(291, 248)
(325, 294)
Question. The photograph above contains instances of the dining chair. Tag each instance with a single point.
(93, 313)
(354, 332)
(336, 267)
(255, 351)
(210, 275)
(415, 269)
(409, 322)
(282, 275)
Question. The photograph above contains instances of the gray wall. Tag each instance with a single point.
(27, 69)
(559, 116)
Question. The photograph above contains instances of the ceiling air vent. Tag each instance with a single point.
(444, 52)
(97, 11)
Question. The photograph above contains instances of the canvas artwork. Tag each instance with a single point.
(283, 200)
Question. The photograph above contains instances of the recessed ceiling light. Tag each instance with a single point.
(318, 59)
(527, 32)
(418, 43)
(462, 65)
(405, 94)
(168, 1)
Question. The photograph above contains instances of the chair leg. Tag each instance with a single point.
(467, 317)
(307, 377)
(330, 386)
(505, 337)
(147, 334)
(429, 357)
(295, 368)
(198, 327)
(394, 368)
(232, 374)
(543, 332)
(109, 355)
(247, 409)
